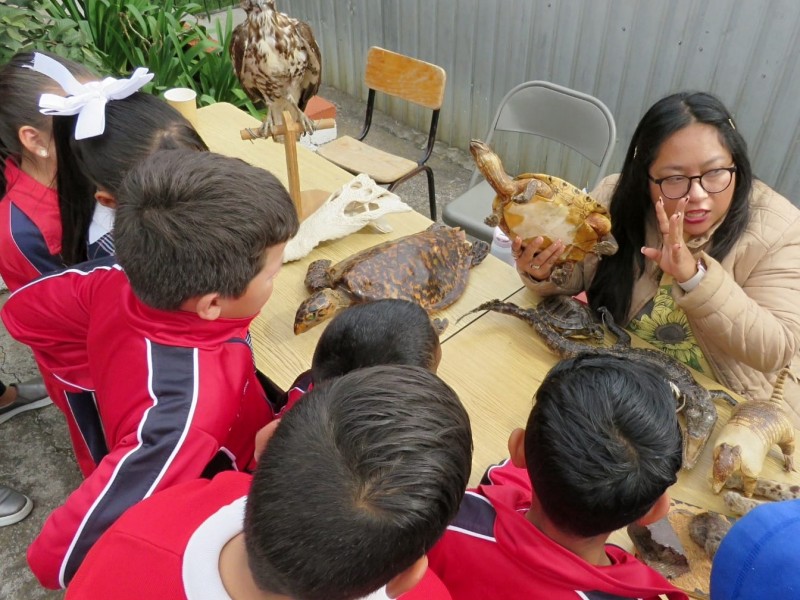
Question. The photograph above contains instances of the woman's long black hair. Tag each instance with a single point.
(612, 286)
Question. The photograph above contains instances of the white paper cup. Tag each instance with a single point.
(184, 100)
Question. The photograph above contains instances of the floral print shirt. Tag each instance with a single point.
(663, 324)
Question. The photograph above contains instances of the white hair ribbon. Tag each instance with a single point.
(87, 100)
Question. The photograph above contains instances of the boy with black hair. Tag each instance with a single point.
(383, 332)
(602, 446)
(162, 345)
(356, 484)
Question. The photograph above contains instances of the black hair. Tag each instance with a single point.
(358, 482)
(20, 88)
(192, 223)
(383, 332)
(602, 443)
(135, 127)
(631, 205)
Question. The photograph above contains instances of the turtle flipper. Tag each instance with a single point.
(480, 250)
(561, 274)
(318, 275)
(492, 220)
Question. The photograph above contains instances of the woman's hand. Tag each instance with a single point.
(534, 261)
(673, 257)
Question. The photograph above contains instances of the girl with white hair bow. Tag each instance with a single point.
(101, 129)
(30, 224)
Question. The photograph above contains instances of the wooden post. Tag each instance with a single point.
(290, 129)
(310, 200)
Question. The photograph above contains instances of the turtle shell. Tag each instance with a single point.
(537, 205)
(430, 268)
(555, 210)
(569, 317)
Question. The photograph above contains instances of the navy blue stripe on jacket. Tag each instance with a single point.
(87, 417)
(164, 426)
(476, 517)
(31, 243)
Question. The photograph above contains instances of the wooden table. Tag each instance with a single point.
(280, 353)
(497, 363)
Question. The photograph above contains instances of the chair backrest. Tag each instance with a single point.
(404, 77)
(577, 120)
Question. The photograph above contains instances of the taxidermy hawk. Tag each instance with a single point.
(277, 60)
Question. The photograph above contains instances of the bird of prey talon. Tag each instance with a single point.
(276, 60)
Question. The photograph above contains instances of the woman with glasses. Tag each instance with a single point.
(708, 267)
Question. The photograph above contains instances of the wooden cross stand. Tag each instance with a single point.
(306, 201)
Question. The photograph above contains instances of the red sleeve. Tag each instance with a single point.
(120, 580)
(51, 315)
(155, 457)
(30, 244)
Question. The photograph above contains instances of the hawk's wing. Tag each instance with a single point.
(309, 86)
(237, 49)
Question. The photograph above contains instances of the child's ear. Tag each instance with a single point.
(516, 448)
(105, 198)
(403, 582)
(207, 307)
(34, 141)
(658, 511)
(263, 437)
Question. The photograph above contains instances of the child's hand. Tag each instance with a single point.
(673, 257)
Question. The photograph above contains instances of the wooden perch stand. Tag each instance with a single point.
(307, 201)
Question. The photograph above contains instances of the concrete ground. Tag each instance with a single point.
(35, 451)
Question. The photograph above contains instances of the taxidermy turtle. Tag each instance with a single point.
(533, 204)
(569, 318)
(430, 268)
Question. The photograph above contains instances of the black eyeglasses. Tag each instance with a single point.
(678, 186)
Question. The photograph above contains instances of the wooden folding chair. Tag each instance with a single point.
(413, 80)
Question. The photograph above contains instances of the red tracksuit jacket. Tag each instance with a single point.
(167, 547)
(170, 393)
(491, 551)
(30, 229)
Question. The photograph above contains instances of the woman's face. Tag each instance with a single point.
(694, 150)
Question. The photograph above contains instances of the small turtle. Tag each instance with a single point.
(430, 268)
(534, 204)
(570, 318)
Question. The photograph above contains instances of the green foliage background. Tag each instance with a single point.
(113, 37)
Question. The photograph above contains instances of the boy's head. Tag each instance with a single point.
(602, 444)
(359, 480)
(384, 332)
(198, 225)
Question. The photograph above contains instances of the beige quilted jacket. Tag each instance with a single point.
(745, 313)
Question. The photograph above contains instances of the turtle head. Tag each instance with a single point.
(315, 309)
(489, 165)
